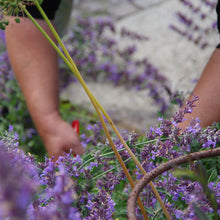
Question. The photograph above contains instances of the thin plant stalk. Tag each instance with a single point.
(102, 155)
(120, 161)
(107, 171)
(94, 101)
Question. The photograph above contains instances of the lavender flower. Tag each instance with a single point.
(196, 24)
(17, 185)
(101, 206)
(87, 187)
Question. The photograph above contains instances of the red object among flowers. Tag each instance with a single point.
(75, 126)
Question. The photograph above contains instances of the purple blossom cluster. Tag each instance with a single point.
(94, 187)
(167, 142)
(96, 51)
(56, 202)
(18, 181)
(102, 205)
(10, 138)
(195, 23)
(49, 190)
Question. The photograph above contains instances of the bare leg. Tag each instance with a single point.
(208, 90)
(35, 65)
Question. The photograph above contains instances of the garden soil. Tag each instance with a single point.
(176, 58)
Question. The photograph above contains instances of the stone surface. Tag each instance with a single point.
(122, 10)
(176, 58)
(129, 109)
(147, 4)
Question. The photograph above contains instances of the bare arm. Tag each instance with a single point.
(35, 64)
(208, 90)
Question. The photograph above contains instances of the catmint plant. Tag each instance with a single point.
(18, 179)
(196, 22)
(74, 187)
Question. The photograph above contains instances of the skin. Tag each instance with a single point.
(208, 90)
(35, 64)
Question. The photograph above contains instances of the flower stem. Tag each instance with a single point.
(107, 171)
(102, 155)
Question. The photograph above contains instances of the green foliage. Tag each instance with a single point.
(185, 174)
(200, 214)
(12, 7)
(70, 112)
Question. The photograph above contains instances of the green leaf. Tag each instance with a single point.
(200, 214)
(201, 173)
(213, 176)
(185, 174)
(62, 16)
